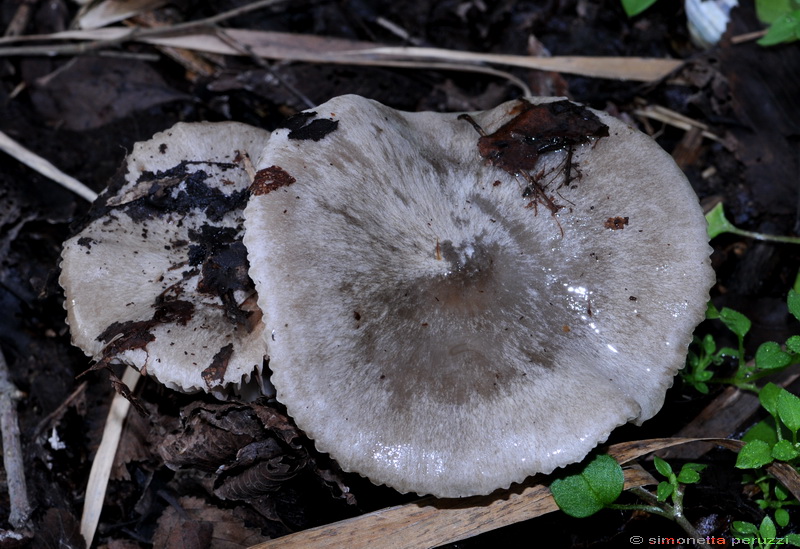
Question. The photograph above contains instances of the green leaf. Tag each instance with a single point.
(785, 28)
(764, 431)
(735, 321)
(662, 466)
(709, 345)
(793, 539)
(711, 311)
(793, 301)
(768, 396)
(742, 527)
(704, 376)
(767, 529)
(574, 496)
(599, 484)
(784, 450)
(781, 493)
(753, 455)
(688, 476)
(717, 222)
(793, 344)
(728, 352)
(782, 517)
(770, 356)
(664, 490)
(769, 10)
(635, 7)
(789, 410)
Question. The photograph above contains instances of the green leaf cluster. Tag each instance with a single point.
(774, 439)
(671, 488)
(601, 481)
(769, 359)
(762, 536)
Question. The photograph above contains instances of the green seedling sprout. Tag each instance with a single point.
(601, 481)
(762, 536)
(769, 359)
(719, 224)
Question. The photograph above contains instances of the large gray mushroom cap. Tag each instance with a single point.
(435, 331)
(157, 279)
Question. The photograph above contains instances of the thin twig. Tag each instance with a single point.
(748, 36)
(315, 49)
(20, 20)
(668, 116)
(671, 513)
(248, 51)
(139, 33)
(33, 160)
(12, 450)
(104, 459)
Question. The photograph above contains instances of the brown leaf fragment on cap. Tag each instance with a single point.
(538, 129)
(517, 145)
(615, 223)
(270, 179)
(214, 374)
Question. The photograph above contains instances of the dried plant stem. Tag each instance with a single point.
(104, 459)
(674, 513)
(33, 160)
(139, 33)
(12, 450)
(430, 522)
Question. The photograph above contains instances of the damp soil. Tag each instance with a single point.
(189, 461)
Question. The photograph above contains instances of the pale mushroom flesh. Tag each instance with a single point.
(157, 278)
(437, 331)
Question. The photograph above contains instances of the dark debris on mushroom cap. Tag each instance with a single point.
(437, 331)
(157, 277)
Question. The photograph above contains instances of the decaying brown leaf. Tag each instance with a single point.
(198, 525)
(517, 145)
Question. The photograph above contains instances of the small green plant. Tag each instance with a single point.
(718, 224)
(770, 357)
(774, 496)
(774, 439)
(601, 481)
(762, 536)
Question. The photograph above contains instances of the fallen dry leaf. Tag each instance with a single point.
(200, 525)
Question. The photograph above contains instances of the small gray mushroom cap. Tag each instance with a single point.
(432, 330)
(157, 279)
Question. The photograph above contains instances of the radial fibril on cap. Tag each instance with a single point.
(433, 330)
(158, 277)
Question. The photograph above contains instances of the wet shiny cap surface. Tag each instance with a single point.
(436, 328)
